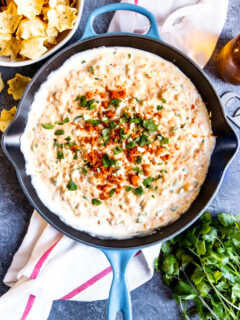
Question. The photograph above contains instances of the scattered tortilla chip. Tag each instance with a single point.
(1, 83)
(29, 8)
(9, 19)
(6, 118)
(17, 85)
(62, 17)
(31, 28)
(33, 48)
(11, 48)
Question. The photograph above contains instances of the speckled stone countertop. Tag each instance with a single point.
(152, 301)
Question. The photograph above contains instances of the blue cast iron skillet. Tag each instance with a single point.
(119, 252)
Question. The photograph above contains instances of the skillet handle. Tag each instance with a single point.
(89, 31)
(224, 99)
(119, 297)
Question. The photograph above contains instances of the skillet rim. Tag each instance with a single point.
(96, 241)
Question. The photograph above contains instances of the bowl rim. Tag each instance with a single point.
(22, 63)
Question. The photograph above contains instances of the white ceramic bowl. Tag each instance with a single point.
(62, 39)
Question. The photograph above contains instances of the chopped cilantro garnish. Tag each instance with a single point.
(139, 191)
(164, 100)
(84, 103)
(68, 138)
(71, 185)
(62, 121)
(148, 182)
(108, 162)
(96, 202)
(144, 140)
(150, 125)
(112, 193)
(94, 122)
(96, 78)
(48, 126)
(106, 135)
(91, 70)
(60, 155)
(160, 107)
(164, 141)
(131, 144)
(129, 55)
(83, 61)
(59, 132)
(139, 160)
(128, 188)
(146, 74)
(84, 171)
(137, 99)
(75, 157)
(117, 150)
(115, 102)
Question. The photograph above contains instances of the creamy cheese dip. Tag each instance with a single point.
(118, 142)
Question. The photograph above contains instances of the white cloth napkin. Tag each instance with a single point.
(193, 26)
(49, 266)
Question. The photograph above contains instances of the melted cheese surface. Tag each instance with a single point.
(118, 142)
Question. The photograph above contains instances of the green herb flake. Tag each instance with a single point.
(108, 162)
(60, 155)
(164, 100)
(59, 132)
(94, 122)
(96, 202)
(83, 61)
(115, 102)
(84, 171)
(150, 125)
(91, 70)
(128, 188)
(112, 193)
(48, 126)
(71, 185)
(117, 150)
(160, 107)
(139, 191)
(139, 160)
(148, 182)
(131, 144)
(164, 141)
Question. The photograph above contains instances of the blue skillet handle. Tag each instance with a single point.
(89, 31)
(119, 297)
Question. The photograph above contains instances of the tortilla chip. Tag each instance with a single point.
(29, 8)
(6, 118)
(44, 12)
(1, 83)
(33, 48)
(9, 19)
(52, 34)
(62, 17)
(54, 3)
(30, 28)
(11, 48)
(17, 85)
(4, 37)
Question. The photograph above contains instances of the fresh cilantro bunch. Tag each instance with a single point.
(203, 264)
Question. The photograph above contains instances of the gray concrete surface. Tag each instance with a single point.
(152, 301)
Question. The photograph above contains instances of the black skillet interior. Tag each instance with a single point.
(226, 145)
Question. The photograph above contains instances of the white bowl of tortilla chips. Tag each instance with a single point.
(31, 30)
